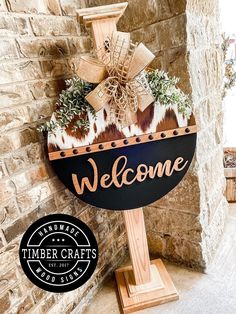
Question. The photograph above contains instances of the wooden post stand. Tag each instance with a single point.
(145, 283)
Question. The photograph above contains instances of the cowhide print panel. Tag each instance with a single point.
(155, 118)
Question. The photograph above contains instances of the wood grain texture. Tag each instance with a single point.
(230, 172)
(154, 284)
(148, 299)
(138, 247)
(88, 15)
(230, 192)
(102, 30)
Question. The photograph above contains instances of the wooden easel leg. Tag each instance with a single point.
(145, 283)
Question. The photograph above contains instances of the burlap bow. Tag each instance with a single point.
(119, 70)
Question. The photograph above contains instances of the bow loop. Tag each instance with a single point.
(122, 82)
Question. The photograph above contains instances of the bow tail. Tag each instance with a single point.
(141, 89)
(101, 95)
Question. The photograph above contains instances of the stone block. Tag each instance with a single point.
(17, 161)
(156, 243)
(8, 50)
(19, 226)
(49, 88)
(173, 61)
(11, 26)
(38, 48)
(44, 26)
(35, 153)
(40, 110)
(206, 8)
(14, 94)
(8, 211)
(30, 177)
(174, 223)
(19, 71)
(206, 111)
(9, 256)
(23, 306)
(55, 184)
(186, 252)
(80, 44)
(15, 229)
(185, 197)
(54, 87)
(63, 198)
(46, 303)
(206, 74)
(3, 7)
(8, 278)
(176, 249)
(7, 189)
(5, 302)
(54, 7)
(23, 27)
(38, 173)
(47, 207)
(203, 31)
(212, 232)
(207, 142)
(142, 13)
(69, 7)
(160, 36)
(13, 118)
(38, 294)
(9, 298)
(56, 68)
(3, 169)
(34, 6)
(32, 198)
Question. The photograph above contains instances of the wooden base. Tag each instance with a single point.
(154, 284)
(146, 295)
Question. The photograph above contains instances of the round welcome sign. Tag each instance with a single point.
(115, 144)
(129, 176)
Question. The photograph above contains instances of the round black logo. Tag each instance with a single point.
(58, 253)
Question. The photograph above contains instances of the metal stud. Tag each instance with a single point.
(163, 135)
(113, 144)
(150, 137)
(138, 139)
(175, 132)
(126, 142)
(62, 154)
(88, 149)
(100, 146)
(75, 151)
(187, 130)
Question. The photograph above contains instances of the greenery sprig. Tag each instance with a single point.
(166, 93)
(71, 104)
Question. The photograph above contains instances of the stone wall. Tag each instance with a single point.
(186, 225)
(40, 43)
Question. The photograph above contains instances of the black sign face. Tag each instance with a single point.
(128, 177)
(58, 253)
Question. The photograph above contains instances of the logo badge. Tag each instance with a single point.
(58, 253)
